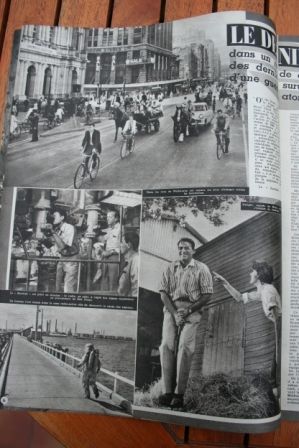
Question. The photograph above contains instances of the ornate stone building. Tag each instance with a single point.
(51, 62)
(130, 55)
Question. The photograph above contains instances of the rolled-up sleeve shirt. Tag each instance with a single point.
(189, 282)
(67, 234)
(112, 238)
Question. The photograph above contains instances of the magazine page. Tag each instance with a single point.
(161, 135)
(288, 75)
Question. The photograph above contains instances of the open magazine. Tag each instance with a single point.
(141, 222)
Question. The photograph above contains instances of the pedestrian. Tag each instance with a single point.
(128, 280)
(91, 365)
(185, 289)
(111, 253)
(33, 118)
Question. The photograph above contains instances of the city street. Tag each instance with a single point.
(156, 163)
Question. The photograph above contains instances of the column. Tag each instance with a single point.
(20, 67)
(41, 75)
(24, 78)
(47, 33)
(54, 81)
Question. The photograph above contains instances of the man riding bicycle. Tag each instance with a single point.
(130, 130)
(91, 144)
(222, 125)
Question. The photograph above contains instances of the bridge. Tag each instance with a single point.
(37, 376)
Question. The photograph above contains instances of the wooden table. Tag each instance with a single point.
(79, 430)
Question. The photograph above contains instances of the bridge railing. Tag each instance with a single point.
(73, 361)
(4, 360)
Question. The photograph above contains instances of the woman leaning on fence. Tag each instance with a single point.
(261, 277)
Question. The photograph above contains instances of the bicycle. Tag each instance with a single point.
(16, 133)
(50, 123)
(89, 167)
(220, 145)
(127, 146)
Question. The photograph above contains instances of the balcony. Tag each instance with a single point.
(140, 61)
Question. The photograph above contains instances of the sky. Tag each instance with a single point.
(113, 322)
(188, 31)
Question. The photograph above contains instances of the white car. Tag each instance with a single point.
(201, 115)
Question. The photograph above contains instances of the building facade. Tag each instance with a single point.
(129, 55)
(51, 62)
(199, 60)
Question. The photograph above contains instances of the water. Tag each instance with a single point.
(115, 355)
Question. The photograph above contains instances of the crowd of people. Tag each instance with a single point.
(112, 256)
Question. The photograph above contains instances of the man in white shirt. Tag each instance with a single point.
(128, 280)
(130, 129)
(111, 254)
(67, 246)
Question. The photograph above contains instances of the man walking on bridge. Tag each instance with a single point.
(91, 365)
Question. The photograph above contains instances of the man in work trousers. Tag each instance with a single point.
(91, 366)
(111, 252)
(185, 289)
(67, 246)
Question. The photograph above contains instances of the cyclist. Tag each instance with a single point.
(222, 122)
(91, 144)
(130, 130)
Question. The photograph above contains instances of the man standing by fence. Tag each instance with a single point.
(185, 289)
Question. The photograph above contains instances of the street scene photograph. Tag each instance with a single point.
(209, 309)
(75, 241)
(66, 358)
(141, 107)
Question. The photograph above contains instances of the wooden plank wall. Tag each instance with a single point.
(78, 430)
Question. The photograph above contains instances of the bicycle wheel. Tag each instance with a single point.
(123, 149)
(219, 150)
(132, 146)
(79, 176)
(94, 167)
(17, 131)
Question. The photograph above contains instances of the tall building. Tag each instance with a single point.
(129, 55)
(50, 62)
(209, 45)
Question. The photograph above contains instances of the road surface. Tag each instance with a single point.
(157, 162)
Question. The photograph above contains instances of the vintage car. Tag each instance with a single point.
(201, 115)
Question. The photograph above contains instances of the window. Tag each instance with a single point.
(125, 36)
(105, 37)
(110, 37)
(120, 36)
(137, 36)
(34, 32)
(151, 34)
(136, 54)
(95, 37)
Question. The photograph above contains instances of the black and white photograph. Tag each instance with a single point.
(156, 106)
(209, 310)
(74, 241)
(71, 359)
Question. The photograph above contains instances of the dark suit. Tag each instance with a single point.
(92, 142)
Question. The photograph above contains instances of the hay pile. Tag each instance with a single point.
(222, 396)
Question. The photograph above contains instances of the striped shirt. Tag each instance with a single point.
(186, 282)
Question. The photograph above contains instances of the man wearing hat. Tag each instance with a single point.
(91, 365)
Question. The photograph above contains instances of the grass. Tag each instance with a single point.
(222, 396)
